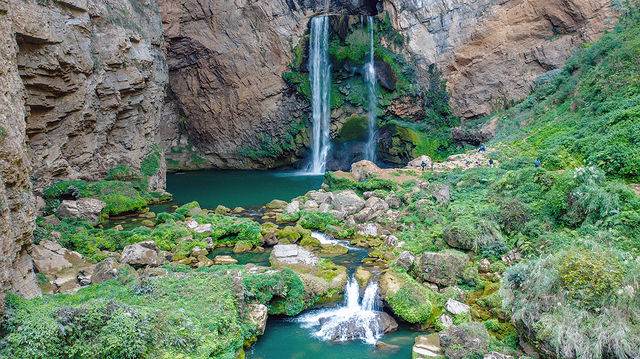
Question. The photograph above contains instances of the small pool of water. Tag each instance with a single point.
(260, 259)
(239, 188)
(286, 339)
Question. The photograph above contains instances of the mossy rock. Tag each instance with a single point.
(287, 217)
(242, 247)
(331, 250)
(353, 129)
(309, 242)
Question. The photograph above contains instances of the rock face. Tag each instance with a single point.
(89, 209)
(141, 254)
(490, 51)
(95, 77)
(226, 60)
(17, 212)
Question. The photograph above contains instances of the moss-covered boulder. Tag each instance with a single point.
(469, 339)
(443, 268)
(408, 299)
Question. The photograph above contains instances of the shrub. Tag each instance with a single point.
(317, 220)
(589, 277)
(411, 304)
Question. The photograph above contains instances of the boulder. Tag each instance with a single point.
(220, 209)
(417, 162)
(89, 209)
(446, 320)
(363, 170)
(442, 268)
(106, 270)
(454, 307)
(405, 260)
(49, 257)
(366, 214)
(348, 202)
(224, 260)
(258, 316)
(427, 347)
(292, 208)
(292, 254)
(512, 256)
(242, 247)
(321, 197)
(67, 283)
(368, 230)
(141, 254)
(310, 205)
(465, 340)
(354, 329)
(442, 194)
(483, 267)
(376, 204)
(197, 251)
(276, 204)
(203, 228)
(394, 201)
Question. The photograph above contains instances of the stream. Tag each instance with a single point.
(310, 334)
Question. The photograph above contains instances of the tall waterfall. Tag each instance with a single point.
(358, 318)
(320, 79)
(370, 78)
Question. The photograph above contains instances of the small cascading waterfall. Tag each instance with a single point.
(358, 318)
(371, 81)
(320, 79)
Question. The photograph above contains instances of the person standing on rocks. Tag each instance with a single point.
(537, 162)
(482, 148)
(423, 165)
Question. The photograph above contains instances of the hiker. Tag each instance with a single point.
(482, 148)
(537, 163)
(431, 166)
(423, 164)
(491, 162)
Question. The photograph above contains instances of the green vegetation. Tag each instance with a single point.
(151, 163)
(120, 197)
(276, 146)
(424, 131)
(189, 315)
(587, 112)
(336, 183)
(92, 242)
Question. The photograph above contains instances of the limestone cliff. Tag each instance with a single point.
(227, 58)
(17, 215)
(490, 51)
(95, 77)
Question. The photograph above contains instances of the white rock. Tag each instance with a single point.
(454, 307)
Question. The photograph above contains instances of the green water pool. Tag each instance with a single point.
(286, 339)
(239, 188)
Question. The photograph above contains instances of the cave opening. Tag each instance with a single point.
(371, 7)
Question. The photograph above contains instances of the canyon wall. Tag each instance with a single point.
(17, 213)
(95, 76)
(490, 51)
(226, 61)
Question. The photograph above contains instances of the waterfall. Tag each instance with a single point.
(370, 78)
(320, 79)
(357, 319)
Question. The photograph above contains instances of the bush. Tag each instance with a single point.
(411, 304)
(317, 220)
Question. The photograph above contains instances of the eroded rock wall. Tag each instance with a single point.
(226, 60)
(17, 214)
(490, 51)
(95, 76)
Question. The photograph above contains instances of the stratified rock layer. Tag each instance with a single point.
(17, 214)
(95, 77)
(490, 51)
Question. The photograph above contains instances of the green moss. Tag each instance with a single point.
(317, 220)
(120, 197)
(189, 209)
(151, 163)
(196, 315)
(354, 129)
(410, 304)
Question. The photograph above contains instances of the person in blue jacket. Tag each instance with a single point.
(537, 163)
